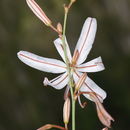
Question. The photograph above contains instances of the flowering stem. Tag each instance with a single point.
(71, 84)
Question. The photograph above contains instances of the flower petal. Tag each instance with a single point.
(94, 65)
(41, 63)
(90, 86)
(58, 82)
(86, 39)
(38, 12)
(59, 46)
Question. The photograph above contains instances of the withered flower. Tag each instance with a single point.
(103, 115)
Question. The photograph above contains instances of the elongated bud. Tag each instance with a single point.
(105, 128)
(66, 111)
(73, 1)
(59, 27)
(50, 126)
(45, 127)
(80, 82)
(38, 12)
(66, 8)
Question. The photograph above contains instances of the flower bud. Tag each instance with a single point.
(45, 127)
(50, 126)
(66, 111)
(38, 12)
(46, 81)
(59, 27)
(105, 128)
(73, 1)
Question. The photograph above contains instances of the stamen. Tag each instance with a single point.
(80, 82)
(75, 57)
(90, 93)
(97, 95)
(80, 103)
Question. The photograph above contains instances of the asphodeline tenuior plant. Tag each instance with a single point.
(73, 71)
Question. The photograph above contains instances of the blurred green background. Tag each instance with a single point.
(25, 104)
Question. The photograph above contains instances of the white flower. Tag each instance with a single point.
(81, 52)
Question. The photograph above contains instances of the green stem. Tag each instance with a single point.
(69, 70)
(63, 39)
(73, 108)
(73, 115)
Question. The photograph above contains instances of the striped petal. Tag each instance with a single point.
(58, 82)
(59, 46)
(38, 12)
(86, 39)
(41, 63)
(94, 65)
(90, 86)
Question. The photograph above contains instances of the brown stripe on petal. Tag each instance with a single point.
(75, 57)
(60, 80)
(41, 61)
(86, 66)
(35, 11)
(86, 37)
(45, 19)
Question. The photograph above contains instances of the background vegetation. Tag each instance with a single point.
(25, 104)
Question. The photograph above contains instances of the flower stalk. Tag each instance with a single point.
(71, 84)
